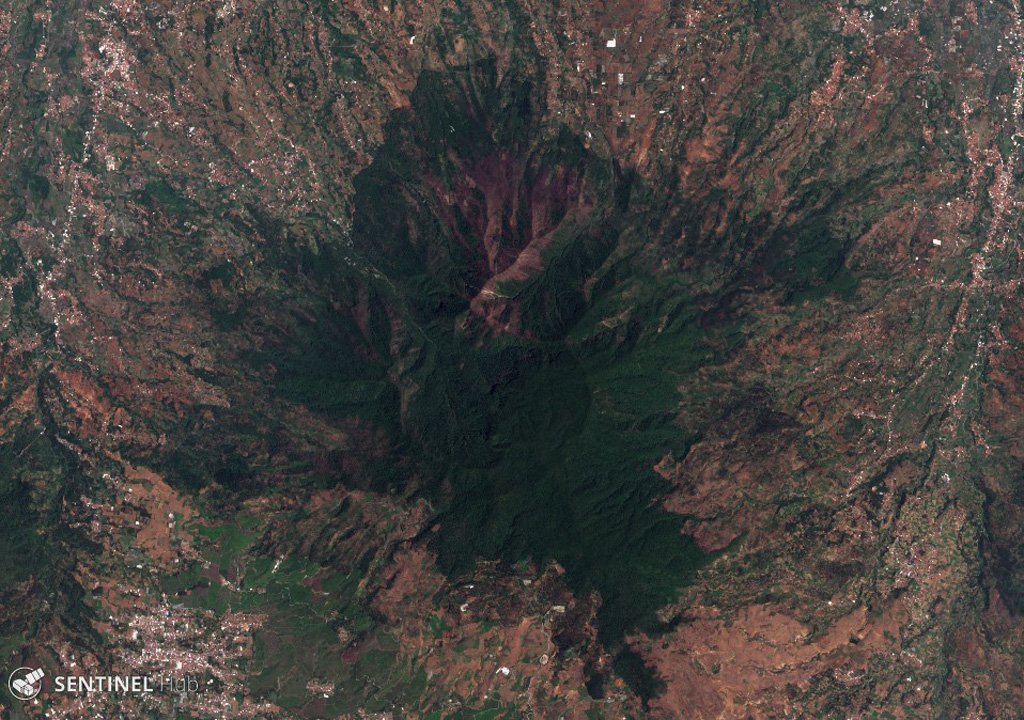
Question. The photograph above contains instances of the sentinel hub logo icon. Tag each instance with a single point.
(25, 683)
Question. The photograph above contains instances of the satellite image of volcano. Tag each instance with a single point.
(497, 359)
